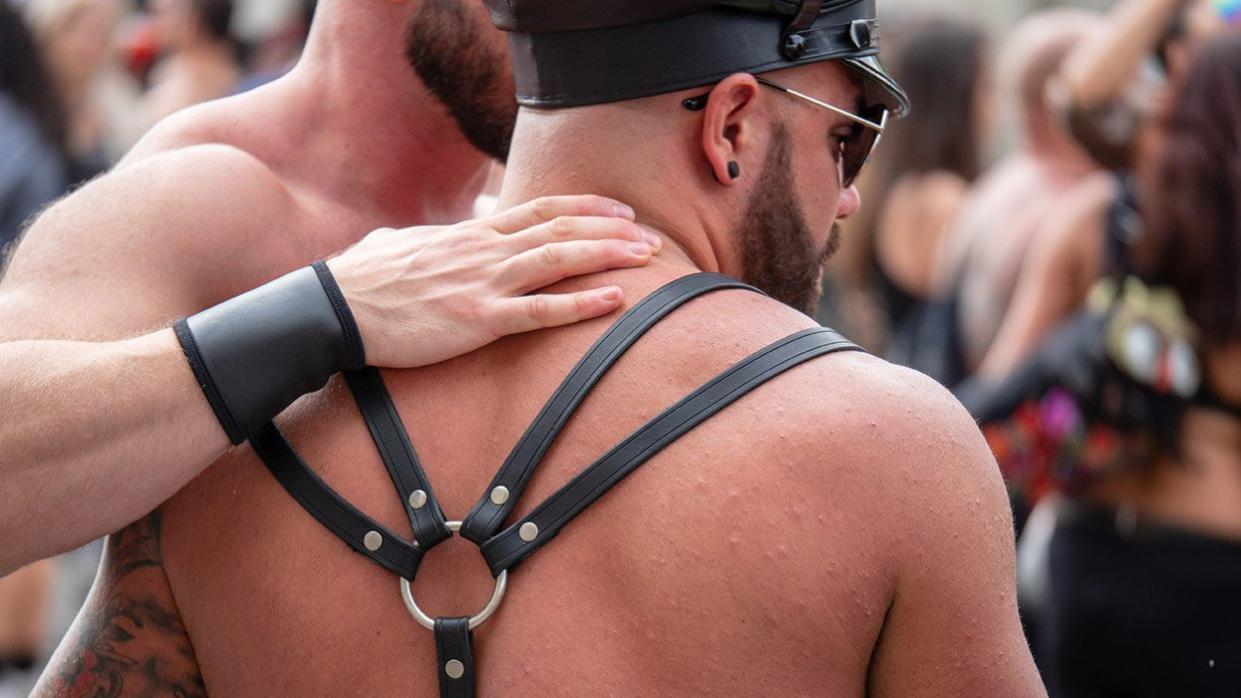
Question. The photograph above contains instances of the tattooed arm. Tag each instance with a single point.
(128, 640)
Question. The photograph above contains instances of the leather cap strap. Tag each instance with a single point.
(454, 648)
(330, 509)
(524, 537)
(424, 512)
(488, 516)
(805, 17)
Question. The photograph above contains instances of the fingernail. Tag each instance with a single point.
(653, 240)
(610, 295)
(640, 248)
(623, 211)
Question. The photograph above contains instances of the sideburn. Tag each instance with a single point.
(778, 254)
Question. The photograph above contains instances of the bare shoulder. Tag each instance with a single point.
(152, 236)
(940, 190)
(894, 433)
(936, 195)
(904, 469)
(896, 429)
(201, 124)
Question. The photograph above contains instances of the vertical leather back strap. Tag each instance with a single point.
(359, 531)
(506, 488)
(399, 457)
(524, 537)
(454, 648)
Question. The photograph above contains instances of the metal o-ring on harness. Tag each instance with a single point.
(426, 621)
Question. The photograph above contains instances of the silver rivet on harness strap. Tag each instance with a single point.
(454, 668)
(528, 531)
(497, 595)
(373, 540)
(499, 495)
(417, 499)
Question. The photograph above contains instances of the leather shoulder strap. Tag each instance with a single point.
(417, 498)
(506, 488)
(368, 537)
(523, 538)
(359, 531)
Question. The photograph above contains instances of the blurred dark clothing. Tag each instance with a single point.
(32, 171)
(897, 302)
(1136, 608)
(929, 340)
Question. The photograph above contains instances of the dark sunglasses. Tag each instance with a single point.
(855, 149)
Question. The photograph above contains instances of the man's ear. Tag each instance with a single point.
(730, 122)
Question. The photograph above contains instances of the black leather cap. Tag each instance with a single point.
(578, 52)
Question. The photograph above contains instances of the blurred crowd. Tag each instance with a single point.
(82, 80)
(1053, 234)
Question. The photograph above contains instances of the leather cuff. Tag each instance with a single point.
(255, 354)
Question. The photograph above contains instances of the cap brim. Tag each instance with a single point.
(881, 88)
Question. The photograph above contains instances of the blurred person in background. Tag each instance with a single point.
(929, 162)
(32, 129)
(200, 57)
(1108, 91)
(78, 39)
(1011, 204)
(276, 54)
(1132, 412)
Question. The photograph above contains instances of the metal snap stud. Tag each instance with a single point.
(528, 531)
(373, 540)
(499, 495)
(454, 668)
(795, 47)
(417, 499)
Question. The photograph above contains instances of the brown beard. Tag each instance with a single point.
(445, 44)
(778, 253)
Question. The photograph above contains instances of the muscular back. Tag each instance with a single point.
(840, 530)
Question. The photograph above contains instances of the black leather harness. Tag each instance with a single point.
(505, 549)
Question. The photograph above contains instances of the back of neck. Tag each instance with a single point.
(548, 159)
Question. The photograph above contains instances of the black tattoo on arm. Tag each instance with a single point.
(128, 639)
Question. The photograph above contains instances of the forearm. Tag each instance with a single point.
(1099, 70)
(92, 437)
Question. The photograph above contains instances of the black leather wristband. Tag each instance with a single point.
(255, 354)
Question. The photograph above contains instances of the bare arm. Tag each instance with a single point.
(1098, 71)
(952, 628)
(94, 435)
(98, 421)
(102, 419)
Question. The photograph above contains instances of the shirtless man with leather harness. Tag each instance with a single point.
(799, 519)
